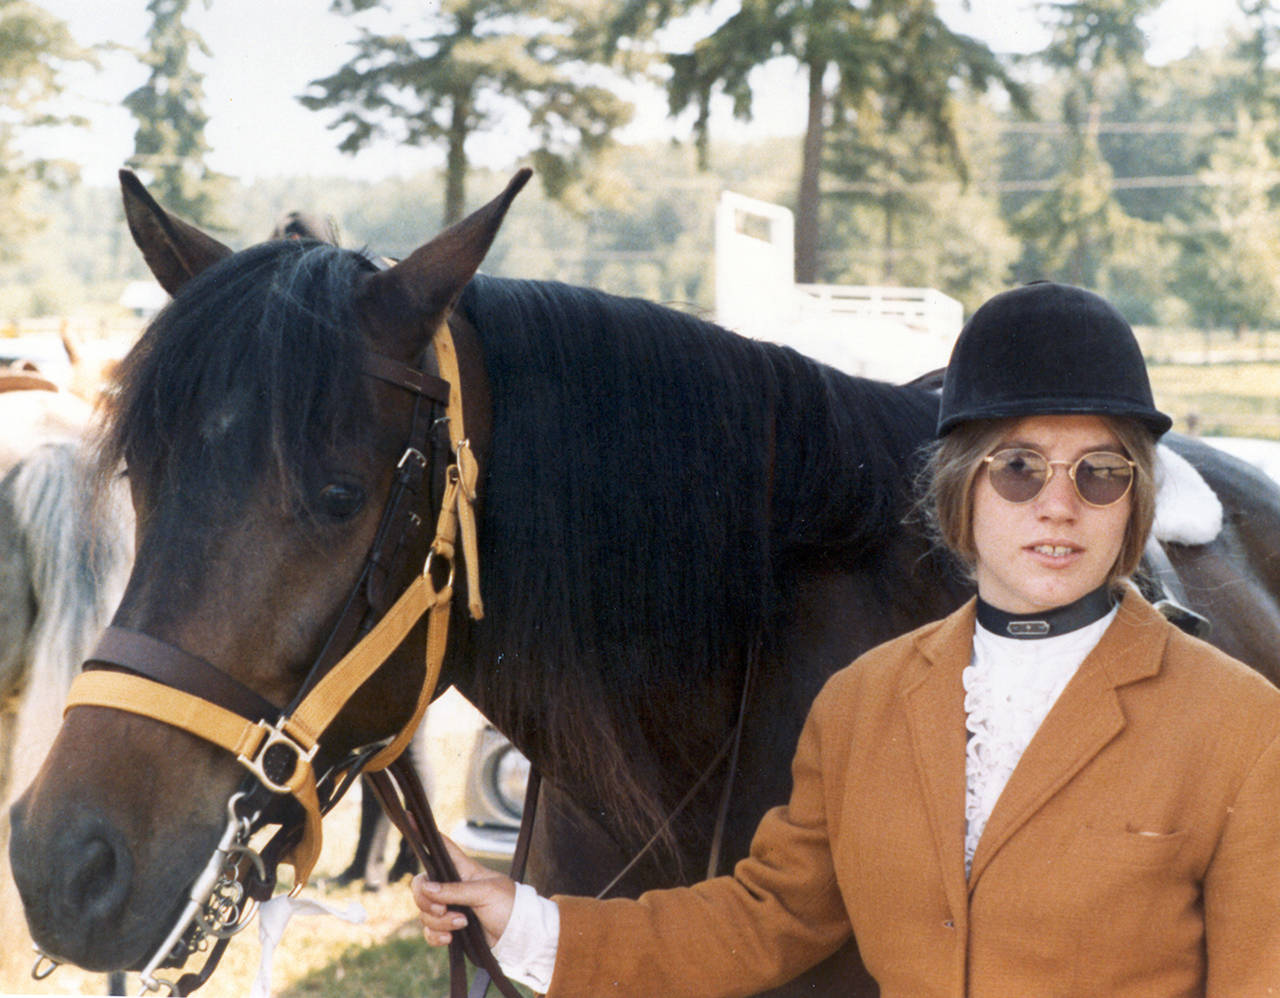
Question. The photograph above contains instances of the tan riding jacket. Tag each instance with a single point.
(1134, 852)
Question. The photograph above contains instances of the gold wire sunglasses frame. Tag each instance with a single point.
(1020, 474)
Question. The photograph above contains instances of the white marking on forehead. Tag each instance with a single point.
(219, 423)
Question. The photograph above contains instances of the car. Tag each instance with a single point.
(493, 798)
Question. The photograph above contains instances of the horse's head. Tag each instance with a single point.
(262, 420)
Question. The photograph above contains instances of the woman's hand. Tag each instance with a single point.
(490, 895)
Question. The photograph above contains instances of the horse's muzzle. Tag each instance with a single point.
(74, 885)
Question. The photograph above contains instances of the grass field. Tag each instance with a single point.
(1222, 399)
(1217, 385)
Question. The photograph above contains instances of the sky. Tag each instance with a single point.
(265, 52)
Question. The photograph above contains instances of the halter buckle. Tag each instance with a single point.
(414, 456)
(278, 757)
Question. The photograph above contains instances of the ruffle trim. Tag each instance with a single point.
(1010, 686)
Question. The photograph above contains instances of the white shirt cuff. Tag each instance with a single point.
(527, 950)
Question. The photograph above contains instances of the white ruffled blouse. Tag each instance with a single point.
(1010, 685)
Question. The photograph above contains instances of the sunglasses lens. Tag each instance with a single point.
(1103, 478)
(1017, 475)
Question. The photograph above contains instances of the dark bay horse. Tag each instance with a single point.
(663, 504)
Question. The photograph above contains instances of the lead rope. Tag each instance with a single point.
(519, 859)
(399, 791)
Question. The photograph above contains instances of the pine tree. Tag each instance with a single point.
(520, 68)
(169, 144)
(34, 48)
(1077, 224)
(876, 61)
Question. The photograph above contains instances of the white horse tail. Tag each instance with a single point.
(77, 555)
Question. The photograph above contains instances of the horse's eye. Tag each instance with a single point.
(340, 500)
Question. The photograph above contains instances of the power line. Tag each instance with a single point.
(1030, 186)
(1121, 127)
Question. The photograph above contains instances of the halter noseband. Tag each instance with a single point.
(170, 685)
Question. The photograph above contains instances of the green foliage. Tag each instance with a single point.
(904, 218)
(1229, 266)
(1155, 185)
(1091, 36)
(1076, 225)
(650, 233)
(35, 48)
(515, 67)
(871, 68)
(169, 144)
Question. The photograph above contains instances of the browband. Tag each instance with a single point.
(409, 378)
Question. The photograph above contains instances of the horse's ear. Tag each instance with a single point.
(174, 250)
(429, 280)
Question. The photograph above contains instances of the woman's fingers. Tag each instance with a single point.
(438, 922)
(490, 895)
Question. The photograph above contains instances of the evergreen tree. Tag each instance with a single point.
(903, 216)
(34, 48)
(1229, 265)
(169, 143)
(513, 67)
(1077, 223)
(867, 65)
(1229, 269)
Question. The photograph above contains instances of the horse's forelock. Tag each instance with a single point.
(251, 371)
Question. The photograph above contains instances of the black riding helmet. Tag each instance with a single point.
(1047, 349)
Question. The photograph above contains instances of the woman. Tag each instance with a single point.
(1051, 791)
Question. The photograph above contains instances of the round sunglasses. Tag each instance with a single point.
(1019, 474)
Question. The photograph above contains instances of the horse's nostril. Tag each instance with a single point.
(97, 879)
(95, 875)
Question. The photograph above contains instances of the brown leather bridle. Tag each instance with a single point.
(291, 782)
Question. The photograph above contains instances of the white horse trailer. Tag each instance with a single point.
(893, 334)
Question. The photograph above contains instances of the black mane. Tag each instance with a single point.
(655, 483)
(251, 371)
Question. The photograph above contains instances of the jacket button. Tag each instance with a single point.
(948, 924)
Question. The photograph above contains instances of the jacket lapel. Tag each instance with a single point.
(1086, 717)
(934, 697)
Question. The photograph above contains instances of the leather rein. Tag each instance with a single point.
(291, 782)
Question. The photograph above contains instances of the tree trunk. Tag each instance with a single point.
(455, 165)
(890, 213)
(810, 196)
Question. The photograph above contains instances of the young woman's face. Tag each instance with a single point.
(1047, 552)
